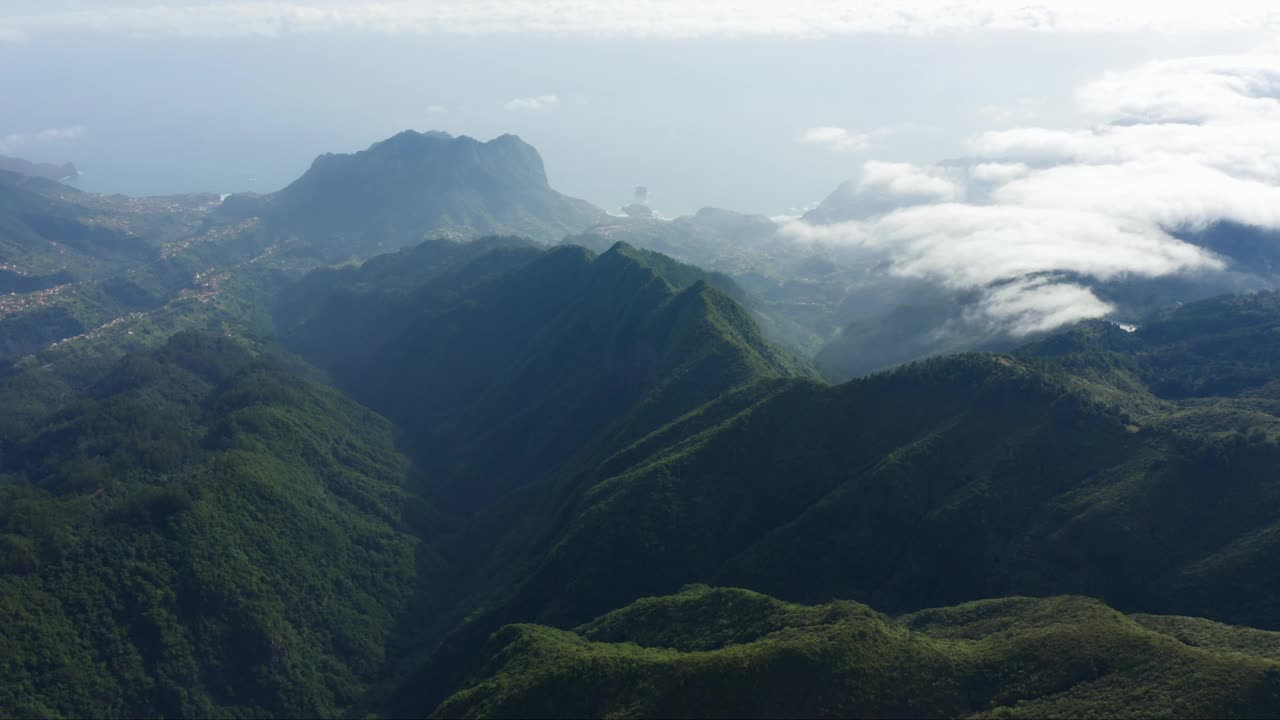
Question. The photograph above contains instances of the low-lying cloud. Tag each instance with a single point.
(905, 180)
(1029, 305)
(1039, 213)
(998, 172)
(966, 246)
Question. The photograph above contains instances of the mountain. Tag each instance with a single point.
(910, 319)
(959, 478)
(719, 240)
(77, 267)
(479, 451)
(559, 357)
(891, 321)
(852, 201)
(80, 264)
(48, 171)
(789, 289)
(201, 533)
(839, 306)
(722, 652)
(415, 186)
(45, 231)
(1073, 466)
(71, 262)
(557, 354)
(1099, 469)
(197, 530)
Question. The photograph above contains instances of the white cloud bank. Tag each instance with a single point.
(16, 142)
(645, 18)
(998, 172)
(904, 180)
(1030, 305)
(1178, 145)
(539, 103)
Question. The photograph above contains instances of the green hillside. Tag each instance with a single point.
(75, 265)
(1077, 465)
(944, 481)
(50, 229)
(557, 356)
(201, 526)
(202, 533)
(732, 653)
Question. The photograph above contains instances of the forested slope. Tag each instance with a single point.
(203, 533)
(208, 528)
(732, 653)
(550, 357)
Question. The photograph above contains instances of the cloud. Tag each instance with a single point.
(1022, 110)
(1162, 190)
(884, 186)
(640, 18)
(17, 141)
(1179, 143)
(973, 246)
(1218, 112)
(1038, 214)
(1031, 305)
(836, 138)
(541, 102)
(998, 172)
(1026, 261)
(1188, 90)
(905, 180)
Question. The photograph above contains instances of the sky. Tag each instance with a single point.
(706, 104)
(999, 145)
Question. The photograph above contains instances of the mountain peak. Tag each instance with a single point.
(624, 249)
(417, 185)
(407, 137)
(411, 156)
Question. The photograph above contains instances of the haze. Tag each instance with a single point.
(705, 104)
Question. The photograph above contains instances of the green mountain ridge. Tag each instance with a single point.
(945, 481)
(529, 438)
(559, 352)
(560, 358)
(710, 652)
(948, 480)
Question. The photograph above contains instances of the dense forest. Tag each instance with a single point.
(202, 533)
